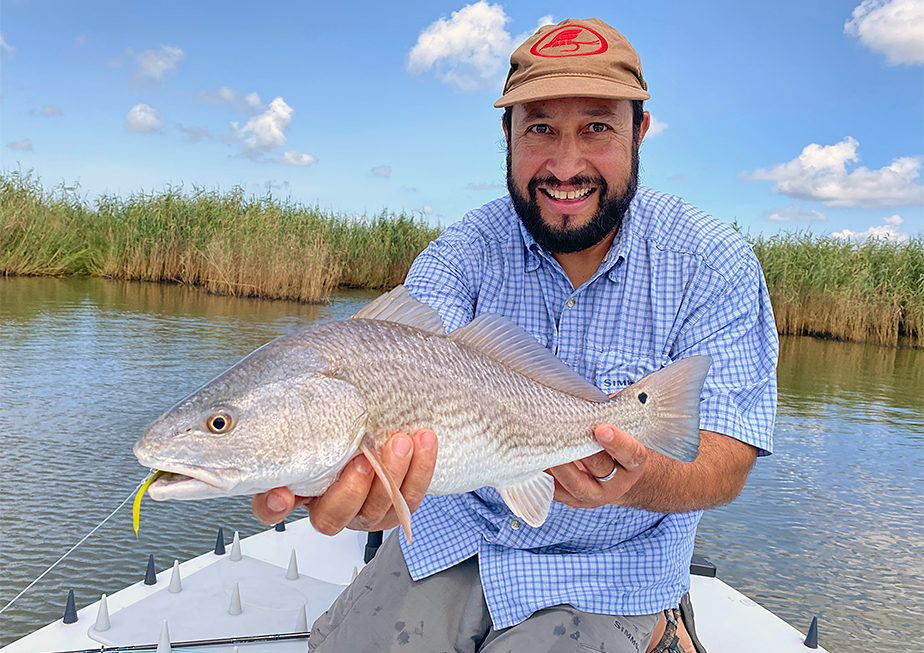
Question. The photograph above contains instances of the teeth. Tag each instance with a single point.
(568, 195)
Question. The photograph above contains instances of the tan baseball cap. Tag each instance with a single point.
(576, 58)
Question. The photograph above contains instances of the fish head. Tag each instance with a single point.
(274, 419)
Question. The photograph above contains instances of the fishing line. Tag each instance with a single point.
(73, 548)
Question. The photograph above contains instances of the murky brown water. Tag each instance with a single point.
(831, 525)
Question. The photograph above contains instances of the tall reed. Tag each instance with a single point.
(226, 243)
(872, 291)
(232, 244)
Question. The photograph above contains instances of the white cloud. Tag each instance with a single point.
(483, 186)
(143, 119)
(886, 231)
(381, 171)
(25, 145)
(894, 220)
(468, 51)
(794, 213)
(427, 210)
(6, 48)
(296, 159)
(249, 104)
(196, 134)
(893, 27)
(267, 129)
(52, 110)
(153, 65)
(656, 127)
(820, 173)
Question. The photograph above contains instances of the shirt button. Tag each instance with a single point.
(571, 303)
(515, 524)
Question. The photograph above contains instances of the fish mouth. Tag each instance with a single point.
(189, 482)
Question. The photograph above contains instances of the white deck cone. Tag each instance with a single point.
(176, 585)
(235, 607)
(163, 644)
(102, 617)
(301, 625)
(292, 572)
(236, 548)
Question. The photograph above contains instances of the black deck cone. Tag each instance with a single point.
(150, 576)
(811, 640)
(220, 542)
(281, 526)
(70, 610)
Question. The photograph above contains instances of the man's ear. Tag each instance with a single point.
(646, 123)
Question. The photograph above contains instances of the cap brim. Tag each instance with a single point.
(559, 86)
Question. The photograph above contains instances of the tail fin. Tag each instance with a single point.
(673, 393)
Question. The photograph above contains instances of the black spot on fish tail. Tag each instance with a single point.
(403, 638)
(576, 635)
(559, 630)
(399, 626)
(576, 620)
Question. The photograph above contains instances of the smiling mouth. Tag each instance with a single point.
(568, 195)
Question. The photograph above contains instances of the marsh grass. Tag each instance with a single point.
(235, 245)
(872, 291)
(226, 243)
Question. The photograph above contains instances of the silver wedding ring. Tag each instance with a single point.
(611, 475)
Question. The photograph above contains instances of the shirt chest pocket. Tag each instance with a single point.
(616, 370)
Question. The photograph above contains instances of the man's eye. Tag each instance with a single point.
(539, 129)
(598, 127)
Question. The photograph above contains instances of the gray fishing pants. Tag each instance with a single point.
(385, 610)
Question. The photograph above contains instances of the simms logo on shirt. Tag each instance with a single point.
(569, 41)
(609, 386)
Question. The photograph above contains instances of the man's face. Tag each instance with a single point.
(572, 169)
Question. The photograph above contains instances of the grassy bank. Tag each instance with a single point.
(234, 245)
(227, 243)
(865, 292)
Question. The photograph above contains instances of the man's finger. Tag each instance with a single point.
(273, 506)
(333, 510)
(628, 452)
(420, 473)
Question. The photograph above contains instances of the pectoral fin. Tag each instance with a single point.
(531, 499)
(367, 446)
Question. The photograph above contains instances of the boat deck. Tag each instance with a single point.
(277, 596)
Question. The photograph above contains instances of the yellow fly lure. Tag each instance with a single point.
(136, 507)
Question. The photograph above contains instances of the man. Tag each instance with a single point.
(618, 282)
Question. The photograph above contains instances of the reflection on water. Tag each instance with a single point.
(830, 525)
(86, 365)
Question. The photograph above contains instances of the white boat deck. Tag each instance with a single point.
(275, 600)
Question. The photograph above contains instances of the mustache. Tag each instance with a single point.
(554, 182)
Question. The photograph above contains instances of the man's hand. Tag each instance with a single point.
(358, 500)
(577, 484)
(646, 479)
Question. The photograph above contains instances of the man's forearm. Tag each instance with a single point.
(713, 479)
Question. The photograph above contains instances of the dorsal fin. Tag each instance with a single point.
(500, 339)
(398, 306)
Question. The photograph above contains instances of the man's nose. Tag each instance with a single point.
(567, 159)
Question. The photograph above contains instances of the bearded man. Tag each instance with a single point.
(618, 281)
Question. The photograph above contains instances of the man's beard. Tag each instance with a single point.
(608, 217)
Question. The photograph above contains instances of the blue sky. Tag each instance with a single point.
(783, 116)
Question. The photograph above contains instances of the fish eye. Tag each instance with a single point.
(219, 423)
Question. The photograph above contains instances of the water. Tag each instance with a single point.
(831, 525)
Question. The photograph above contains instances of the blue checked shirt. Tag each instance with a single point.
(676, 282)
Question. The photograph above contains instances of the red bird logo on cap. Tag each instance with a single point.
(563, 42)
